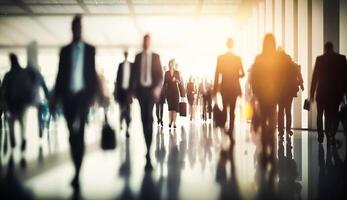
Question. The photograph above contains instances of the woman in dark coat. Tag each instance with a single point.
(191, 93)
(173, 88)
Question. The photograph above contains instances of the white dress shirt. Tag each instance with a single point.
(77, 65)
(126, 75)
(146, 69)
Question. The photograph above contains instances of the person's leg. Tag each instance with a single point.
(174, 116)
(320, 122)
(170, 118)
(157, 112)
(11, 122)
(232, 105)
(22, 119)
(40, 120)
(161, 106)
(280, 118)
(288, 110)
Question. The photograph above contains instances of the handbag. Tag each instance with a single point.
(219, 116)
(182, 106)
(307, 105)
(108, 136)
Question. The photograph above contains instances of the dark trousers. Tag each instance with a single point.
(230, 103)
(330, 112)
(125, 113)
(75, 112)
(146, 104)
(159, 111)
(285, 109)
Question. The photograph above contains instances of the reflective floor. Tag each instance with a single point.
(196, 161)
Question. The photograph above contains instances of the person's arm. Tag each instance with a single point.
(56, 94)
(241, 71)
(216, 78)
(314, 79)
(299, 77)
(181, 86)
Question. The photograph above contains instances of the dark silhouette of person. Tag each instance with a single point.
(159, 106)
(291, 80)
(264, 80)
(76, 88)
(228, 72)
(205, 91)
(327, 90)
(40, 101)
(173, 87)
(146, 84)
(122, 91)
(16, 92)
(191, 96)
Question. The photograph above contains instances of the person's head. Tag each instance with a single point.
(14, 61)
(172, 64)
(76, 27)
(269, 44)
(32, 55)
(146, 42)
(230, 43)
(126, 55)
(328, 47)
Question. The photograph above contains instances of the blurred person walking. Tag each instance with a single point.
(122, 91)
(291, 81)
(159, 106)
(76, 88)
(327, 90)
(146, 84)
(228, 72)
(191, 96)
(173, 87)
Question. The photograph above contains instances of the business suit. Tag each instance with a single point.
(327, 85)
(146, 94)
(229, 67)
(173, 88)
(76, 104)
(122, 94)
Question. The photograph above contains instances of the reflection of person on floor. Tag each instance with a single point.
(332, 177)
(125, 172)
(327, 89)
(146, 83)
(122, 92)
(288, 186)
(229, 70)
(75, 89)
(228, 184)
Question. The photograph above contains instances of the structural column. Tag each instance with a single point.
(331, 16)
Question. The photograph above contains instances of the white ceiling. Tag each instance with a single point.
(113, 23)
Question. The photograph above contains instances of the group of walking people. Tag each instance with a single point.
(274, 80)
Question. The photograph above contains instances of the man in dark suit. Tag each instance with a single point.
(122, 92)
(230, 70)
(327, 85)
(75, 89)
(146, 83)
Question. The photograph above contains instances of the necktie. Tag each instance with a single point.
(146, 68)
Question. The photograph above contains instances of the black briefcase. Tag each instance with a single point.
(307, 105)
(183, 109)
(108, 137)
(219, 117)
